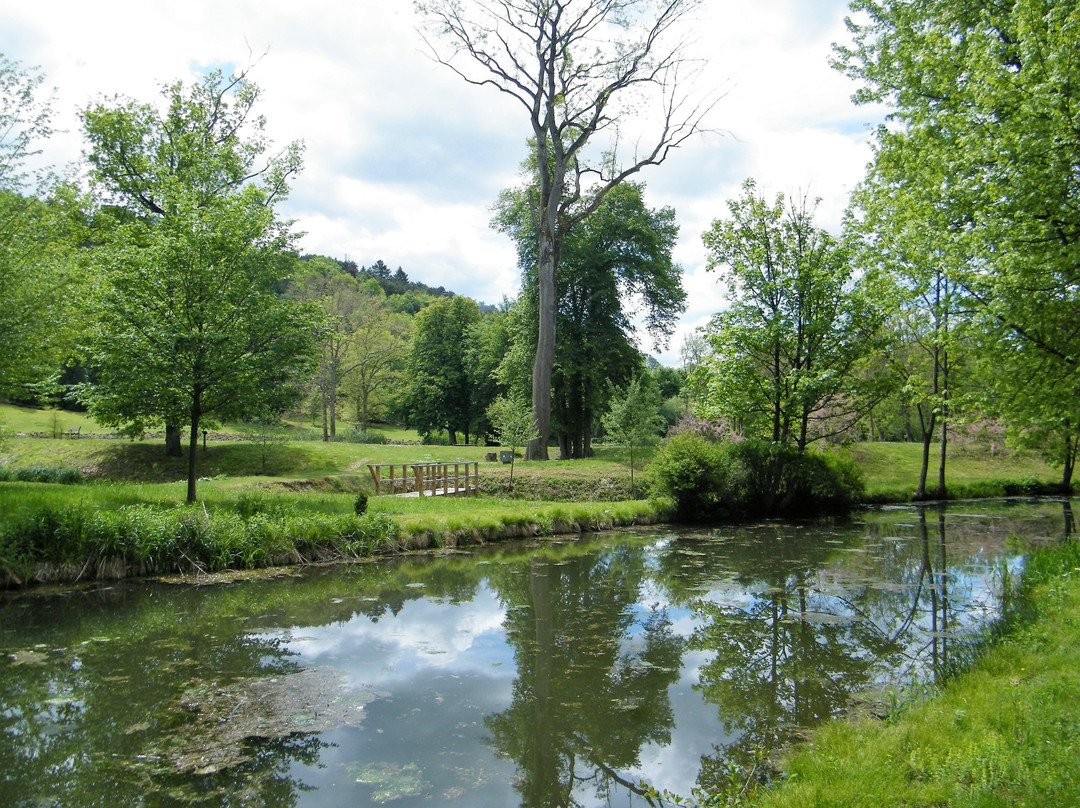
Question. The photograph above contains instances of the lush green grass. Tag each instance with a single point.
(892, 469)
(57, 532)
(1004, 733)
(49, 422)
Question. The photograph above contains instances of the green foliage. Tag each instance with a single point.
(152, 539)
(693, 472)
(40, 227)
(783, 352)
(368, 436)
(708, 480)
(976, 176)
(42, 474)
(514, 425)
(620, 250)
(439, 395)
(360, 504)
(633, 418)
(191, 325)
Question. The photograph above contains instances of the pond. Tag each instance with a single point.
(561, 673)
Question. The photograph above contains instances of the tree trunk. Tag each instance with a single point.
(325, 413)
(927, 439)
(941, 457)
(333, 400)
(172, 441)
(193, 445)
(545, 351)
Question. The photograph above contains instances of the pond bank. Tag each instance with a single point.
(57, 534)
(1003, 733)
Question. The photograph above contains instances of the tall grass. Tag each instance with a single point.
(47, 534)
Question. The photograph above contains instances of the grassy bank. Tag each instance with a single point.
(1004, 733)
(51, 532)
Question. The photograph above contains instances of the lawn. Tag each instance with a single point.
(891, 469)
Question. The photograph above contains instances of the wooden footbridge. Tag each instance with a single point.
(426, 479)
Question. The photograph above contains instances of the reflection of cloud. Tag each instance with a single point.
(426, 635)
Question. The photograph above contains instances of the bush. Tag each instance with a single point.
(42, 474)
(694, 473)
(366, 436)
(708, 480)
(360, 503)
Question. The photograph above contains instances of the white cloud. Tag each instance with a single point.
(404, 159)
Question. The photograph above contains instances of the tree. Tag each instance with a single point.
(615, 264)
(439, 395)
(633, 418)
(514, 425)
(191, 327)
(578, 69)
(784, 350)
(916, 274)
(40, 228)
(379, 346)
(988, 93)
(340, 298)
(486, 344)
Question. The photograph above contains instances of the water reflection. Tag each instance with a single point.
(593, 672)
(549, 675)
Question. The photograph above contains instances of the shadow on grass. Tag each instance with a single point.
(146, 462)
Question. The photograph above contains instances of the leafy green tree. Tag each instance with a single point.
(615, 260)
(633, 418)
(577, 71)
(439, 394)
(988, 94)
(41, 281)
(783, 352)
(345, 307)
(191, 327)
(486, 344)
(379, 347)
(514, 425)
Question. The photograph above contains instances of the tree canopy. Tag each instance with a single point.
(783, 352)
(191, 326)
(578, 70)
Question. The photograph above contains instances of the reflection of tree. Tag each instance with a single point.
(593, 674)
(782, 662)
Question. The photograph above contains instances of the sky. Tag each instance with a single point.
(404, 160)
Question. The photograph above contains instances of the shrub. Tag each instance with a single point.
(366, 436)
(42, 474)
(751, 478)
(694, 473)
(360, 503)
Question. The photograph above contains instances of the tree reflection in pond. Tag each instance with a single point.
(594, 668)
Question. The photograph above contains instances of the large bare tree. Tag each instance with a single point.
(581, 68)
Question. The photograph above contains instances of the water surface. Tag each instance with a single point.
(562, 673)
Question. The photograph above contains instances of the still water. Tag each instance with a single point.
(562, 673)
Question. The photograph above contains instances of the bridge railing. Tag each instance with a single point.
(426, 479)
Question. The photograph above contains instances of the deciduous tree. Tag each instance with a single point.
(439, 394)
(579, 68)
(191, 326)
(785, 348)
(39, 229)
